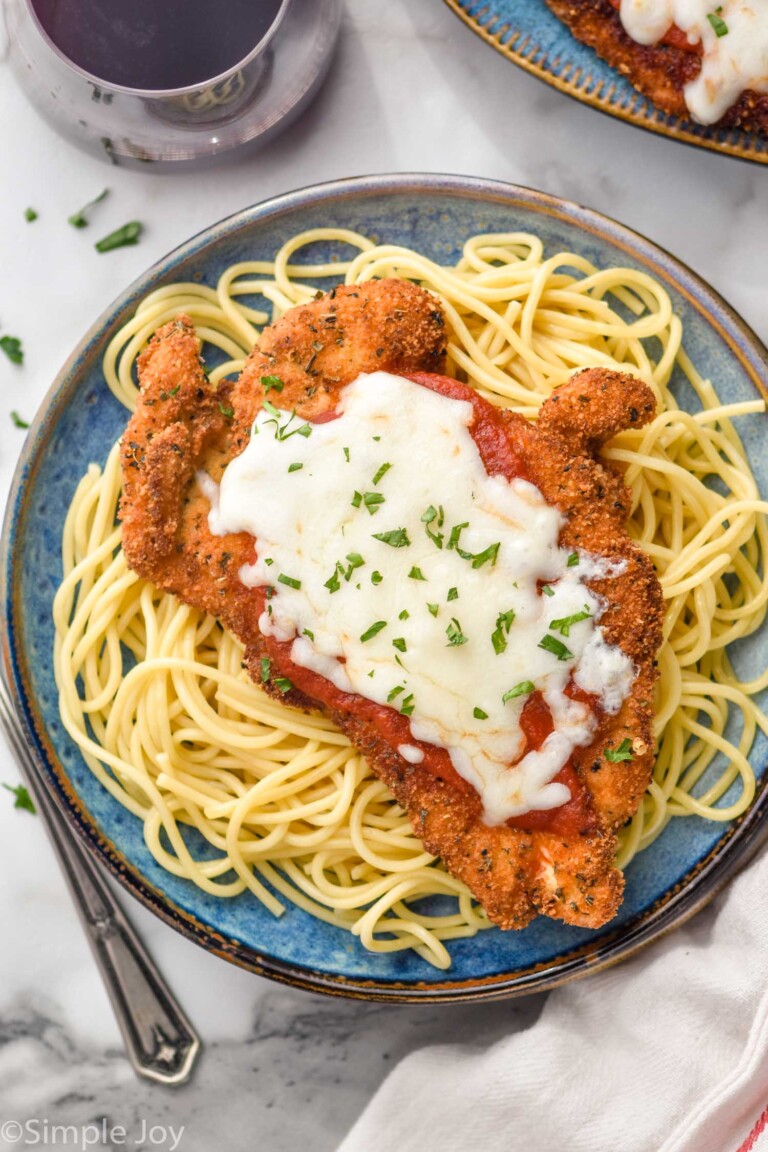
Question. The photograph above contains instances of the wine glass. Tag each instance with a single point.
(164, 85)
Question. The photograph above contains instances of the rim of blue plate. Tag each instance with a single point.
(588, 85)
(732, 851)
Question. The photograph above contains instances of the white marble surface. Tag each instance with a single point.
(410, 89)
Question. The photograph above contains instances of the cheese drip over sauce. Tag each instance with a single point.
(348, 517)
(734, 40)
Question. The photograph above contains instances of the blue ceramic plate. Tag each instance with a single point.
(79, 421)
(528, 34)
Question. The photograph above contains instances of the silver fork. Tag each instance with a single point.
(162, 1045)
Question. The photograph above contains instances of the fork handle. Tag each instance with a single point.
(161, 1043)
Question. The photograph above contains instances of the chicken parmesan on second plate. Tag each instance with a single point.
(692, 58)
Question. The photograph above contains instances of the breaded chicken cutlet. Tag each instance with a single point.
(660, 71)
(560, 862)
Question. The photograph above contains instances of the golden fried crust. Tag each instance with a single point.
(182, 425)
(514, 874)
(576, 419)
(659, 71)
(385, 324)
(494, 863)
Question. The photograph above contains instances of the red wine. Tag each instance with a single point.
(156, 44)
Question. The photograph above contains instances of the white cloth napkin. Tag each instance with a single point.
(667, 1052)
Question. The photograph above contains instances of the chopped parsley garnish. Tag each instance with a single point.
(623, 752)
(453, 594)
(717, 22)
(376, 438)
(433, 609)
(490, 553)
(30, 215)
(400, 644)
(226, 411)
(404, 614)
(563, 625)
(376, 577)
(285, 431)
(23, 800)
(332, 584)
(556, 647)
(407, 706)
(121, 238)
(289, 580)
(373, 631)
(266, 665)
(499, 635)
(453, 539)
(308, 633)
(416, 574)
(11, 345)
(479, 714)
(395, 693)
(573, 560)
(372, 500)
(524, 688)
(79, 219)
(271, 383)
(297, 467)
(18, 421)
(354, 560)
(430, 516)
(547, 590)
(346, 454)
(381, 472)
(269, 561)
(283, 684)
(173, 391)
(478, 558)
(455, 634)
(396, 538)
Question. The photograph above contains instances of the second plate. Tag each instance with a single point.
(528, 34)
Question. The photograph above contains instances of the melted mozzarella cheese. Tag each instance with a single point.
(734, 60)
(405, 573)
(411, 753)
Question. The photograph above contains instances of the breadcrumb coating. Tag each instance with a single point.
(183, 425)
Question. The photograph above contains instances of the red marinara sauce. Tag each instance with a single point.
(501, 444)
(578, 814)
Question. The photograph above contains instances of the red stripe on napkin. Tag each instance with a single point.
(751, 1140)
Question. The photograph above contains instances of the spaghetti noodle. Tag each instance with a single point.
(154, 693)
